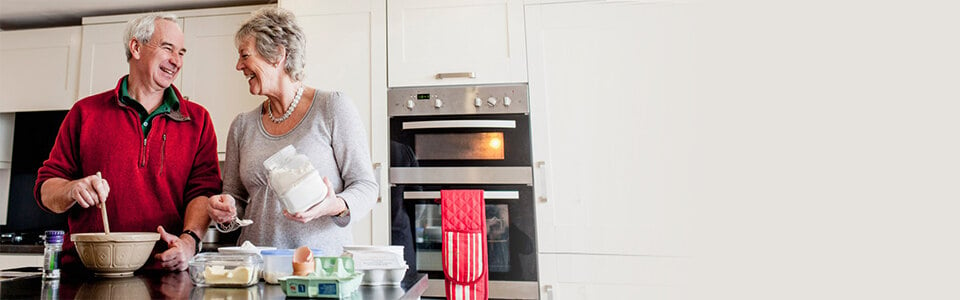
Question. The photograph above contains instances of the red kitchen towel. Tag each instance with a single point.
(464, 243)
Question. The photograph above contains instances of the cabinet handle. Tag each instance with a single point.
(376, 169)
(441, 76)
(548, 289)
(542, 168)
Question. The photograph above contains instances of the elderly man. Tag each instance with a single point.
(156, 153)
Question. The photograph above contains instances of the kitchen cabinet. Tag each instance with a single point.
(11, 260)
(208, 75)
(102, 58)
(609, 128)
(6, 155)
(454, 38)
(38, 68)
(346, 51)
(209, 71)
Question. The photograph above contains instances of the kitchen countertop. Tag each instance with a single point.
(21, 249)
(173, 286)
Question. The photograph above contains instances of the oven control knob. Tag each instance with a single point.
(438, 103)
(492, 101)
(410, 104)
(506, 101)
(477, 102)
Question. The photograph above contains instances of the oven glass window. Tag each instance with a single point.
(459, 146)
(429, 238)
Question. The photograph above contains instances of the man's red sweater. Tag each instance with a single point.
(152, 178)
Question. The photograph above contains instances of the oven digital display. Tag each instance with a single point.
(423, 96)
(459, 146)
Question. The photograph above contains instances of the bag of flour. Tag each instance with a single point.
(293, 178)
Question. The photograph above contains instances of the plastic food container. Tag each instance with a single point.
(225, 270)
(276, 264)
(294, 178)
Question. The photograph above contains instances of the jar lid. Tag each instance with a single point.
(53, 236)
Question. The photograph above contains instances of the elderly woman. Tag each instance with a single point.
(322, 125)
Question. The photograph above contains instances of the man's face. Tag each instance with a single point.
(162, 56)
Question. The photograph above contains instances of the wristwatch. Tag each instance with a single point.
(195, 238)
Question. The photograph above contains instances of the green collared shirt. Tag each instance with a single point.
(170, 102)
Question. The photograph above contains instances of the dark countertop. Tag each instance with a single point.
(21, 249)
(174, 286)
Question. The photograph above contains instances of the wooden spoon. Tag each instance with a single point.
(103, 209)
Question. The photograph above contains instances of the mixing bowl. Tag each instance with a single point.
(117, 254)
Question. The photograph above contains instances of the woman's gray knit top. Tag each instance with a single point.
(333, 137)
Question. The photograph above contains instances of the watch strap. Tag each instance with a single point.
(195, 238)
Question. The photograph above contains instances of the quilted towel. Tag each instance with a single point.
(464, 243)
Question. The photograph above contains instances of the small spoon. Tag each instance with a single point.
(243, 222)
(103, 210)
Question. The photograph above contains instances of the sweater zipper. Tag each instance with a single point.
(163, 151)
(143, 153)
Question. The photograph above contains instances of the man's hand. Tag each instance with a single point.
(179, 251)
(330, 206)
(222, 208)
(88, 191)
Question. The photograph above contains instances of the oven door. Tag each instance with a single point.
(465, 140)
(511, 246)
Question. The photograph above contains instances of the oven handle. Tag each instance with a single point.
(460, 124)
(512, 195)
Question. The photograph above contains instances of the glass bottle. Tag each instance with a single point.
(52, 245)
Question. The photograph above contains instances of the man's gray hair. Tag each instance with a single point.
(142, 28)
(271, 29)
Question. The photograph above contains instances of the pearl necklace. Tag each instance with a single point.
(293, 105)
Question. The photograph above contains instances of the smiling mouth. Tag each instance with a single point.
(168, 71)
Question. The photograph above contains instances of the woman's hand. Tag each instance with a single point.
(222, 208)
(330, 206)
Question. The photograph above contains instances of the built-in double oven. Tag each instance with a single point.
(465, 137)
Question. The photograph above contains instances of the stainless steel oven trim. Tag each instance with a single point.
(497, 289)
(461, 175)
(508, 195)
(510, 124)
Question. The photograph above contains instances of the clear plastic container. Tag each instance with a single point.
(294, 179)
(277, 263)
(227, 270)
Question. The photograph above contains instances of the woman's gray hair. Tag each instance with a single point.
(272, 28)
(142, 28)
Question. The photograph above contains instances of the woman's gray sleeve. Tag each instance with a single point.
(352, 151)
(232, 185)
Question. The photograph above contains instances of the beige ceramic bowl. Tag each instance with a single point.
(117, 254)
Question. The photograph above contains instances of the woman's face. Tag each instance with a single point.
(262, 76)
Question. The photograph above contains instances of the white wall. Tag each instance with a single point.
(827, 154)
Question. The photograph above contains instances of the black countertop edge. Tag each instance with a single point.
(177, 285)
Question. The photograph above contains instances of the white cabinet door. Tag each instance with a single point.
(431, 37)
(610, 119)
(103, 60)
(209, 72)
(38, 68)
(17, 260)
(346, 52)
(6, 154)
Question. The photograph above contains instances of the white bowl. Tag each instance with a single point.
(240, 250)
(360, 248)
(117, 254)
(383, 276)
